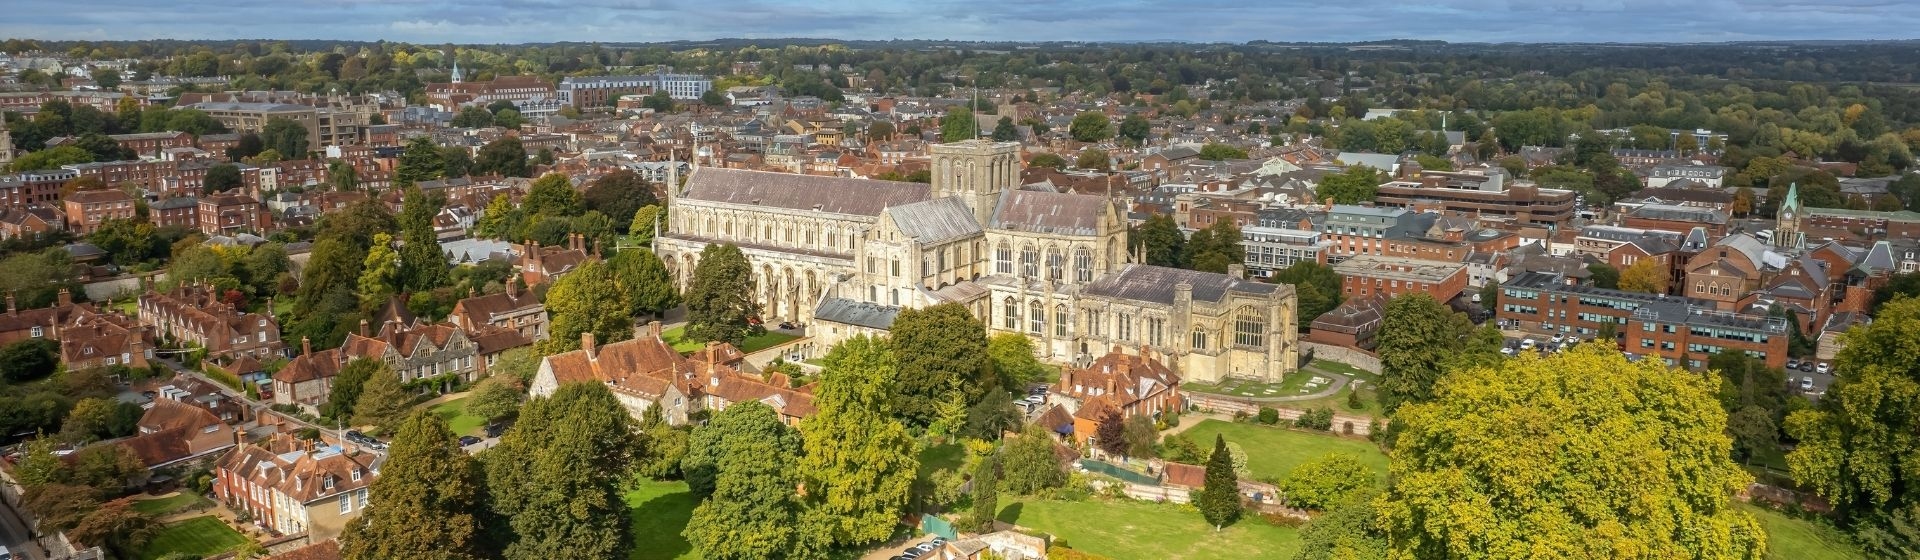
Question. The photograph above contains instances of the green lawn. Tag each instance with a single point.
(1343, 369)
(170, 504)
(199, 536)
(1796, 539)
(659, 510)
(1129, 530)
(454, 413)
(753, 344)
(1273, 452)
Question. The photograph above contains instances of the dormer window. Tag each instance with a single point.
(356, 474)
(326, 483)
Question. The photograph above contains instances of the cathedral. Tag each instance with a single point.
(845, 255)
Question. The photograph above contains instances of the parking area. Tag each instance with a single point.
(923, 547)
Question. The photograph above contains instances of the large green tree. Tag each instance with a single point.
(859, 485)
(619, 195)
(220, 178)
(559, 474)
(1316, 288)
(379, 272)
(754, 510)
(1355, 185)
(1417, 336)
(589, 299)
(1135, 128)
(958, 124)
(646, 281)
(429, 501)
(421, 161)
(1524, 458)
(986, 494)
(506, 157)
(348, 384)
(1160, 239)
(948, 350)
(720, 298)
(1215, 248)
(1860, 448)
(552, 195)
(285, 136)
(422, 266)
(1326, 481)
(1219, 496)
(1090, 126)
(1028, 464)
(383, 401)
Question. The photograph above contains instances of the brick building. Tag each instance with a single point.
(290, 486)
(1131, 385)
(1681, 330)
(231, 212)
(1369, 275)
(145, 144)
(34, 187)
(86, 210)
(1485, 194)
(194, 314)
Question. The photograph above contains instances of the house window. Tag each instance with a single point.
(1012, 321)
(346, 503)
(38, 331)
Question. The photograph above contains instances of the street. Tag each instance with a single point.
(13, 533)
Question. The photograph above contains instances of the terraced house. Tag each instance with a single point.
(193, 314)
(290, 486)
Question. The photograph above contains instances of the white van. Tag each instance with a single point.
(5, 554)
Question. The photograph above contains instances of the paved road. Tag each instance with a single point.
(13, 533)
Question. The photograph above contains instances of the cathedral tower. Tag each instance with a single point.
(976, 171)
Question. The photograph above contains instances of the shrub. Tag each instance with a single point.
(1353, 399)
(1316, 419)
(1269, 416)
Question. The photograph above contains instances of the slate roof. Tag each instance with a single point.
(1675, 213)
(839, 195)
(857, 313)
(1155, 284)
(935, 221)
(1046, 212)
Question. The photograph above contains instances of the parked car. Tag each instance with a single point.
(1806, 365)
(468, 440)
(1527, 344)
(1806, 383)
(787, 325)
(494, 430)
(1506, 351)
(1793, 364)
(1822, 368)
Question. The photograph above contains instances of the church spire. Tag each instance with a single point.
(457, 78)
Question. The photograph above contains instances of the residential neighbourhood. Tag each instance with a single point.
(908, 300)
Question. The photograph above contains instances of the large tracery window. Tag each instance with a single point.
(1060, 320)
(1012, 320)
(1003, 259)
(1056, 265)
(1249, 330)
(1082, 266)
(1029, 262)
(1037, 319)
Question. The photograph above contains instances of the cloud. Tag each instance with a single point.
(514, 21)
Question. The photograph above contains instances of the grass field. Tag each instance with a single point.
(1797, 539)
(659, 510)
(1273, 452)
(454, 413)
(1127, 530)
(170, 504)
(199, 536)
(1343, 369)
(753, 344)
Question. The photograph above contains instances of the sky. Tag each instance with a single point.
(524, 21)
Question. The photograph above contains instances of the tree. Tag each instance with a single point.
(1218, 499)
(1160, 241)
(1140, 436)
(1348, 531)
(422, 266)
(104, 148)
(1011, 356)
(1853, 447)
(508, 118)
(59, 506)
(52, 158)
(498, 220)
(1004, 131)
(880, 131)
(1215, 248)
(1090, 126)
(1221, 152)
(285, 136)
(645, 222)
(248, 146)
(552, 195)
(1028, 464)
(949, 350)
(421, 161)
(753, 511)
(495, 398)
(713, 98)
(1417, 335)
(117, 527)
(986, 419)
(472, 116)
(1316, 288)
(1135, 129)
(666, 446)
(958, 124)
(1645, 276)
(1603, 276)
(619, 195)
(1094, 158)
(29, 360)
(645, 280)
(348, 384)
(588, 300)
(383, 402)
(108, 469)
(1326, 481)
(659, 101)
(505, 156)
(220, 178)
(94, 419)
(720, 296)
(106, 78)
(379, 272)
(558, 476)
(1542, 428)
(1048, 160)
(986, 493)
(1109, 432)
(427, 503)
(1742, 202)
(1355, 185)
(859, 485)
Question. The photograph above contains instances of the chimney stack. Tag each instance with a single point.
(512, 290)
(306, 346)
(66, 298)
(586, 343)
(363, 329)
(653, 329)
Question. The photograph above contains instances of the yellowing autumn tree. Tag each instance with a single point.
(1581, 455)
(1646, 276)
